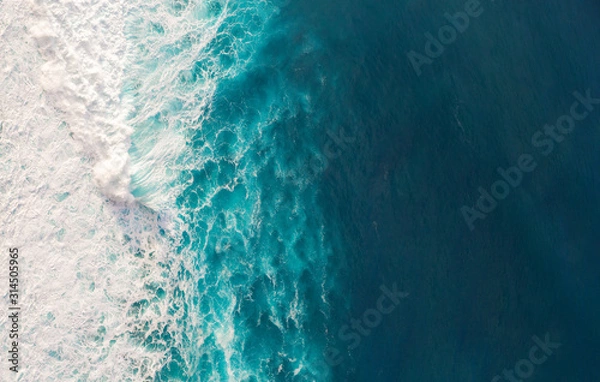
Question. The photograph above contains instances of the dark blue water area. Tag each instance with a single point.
(415, 149)
(327, 174)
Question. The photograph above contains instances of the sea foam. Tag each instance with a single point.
(82, 46)
(93, 270)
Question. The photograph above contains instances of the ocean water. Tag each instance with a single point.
(230, 190)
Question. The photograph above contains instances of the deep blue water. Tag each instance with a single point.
(324, 169)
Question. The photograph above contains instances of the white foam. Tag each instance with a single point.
(60, 138)
(82, 47)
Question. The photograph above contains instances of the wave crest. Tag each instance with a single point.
(81, 46)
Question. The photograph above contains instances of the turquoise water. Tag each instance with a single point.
(258, 276)
(309, 165)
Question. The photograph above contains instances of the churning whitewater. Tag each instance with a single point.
(167, 231)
